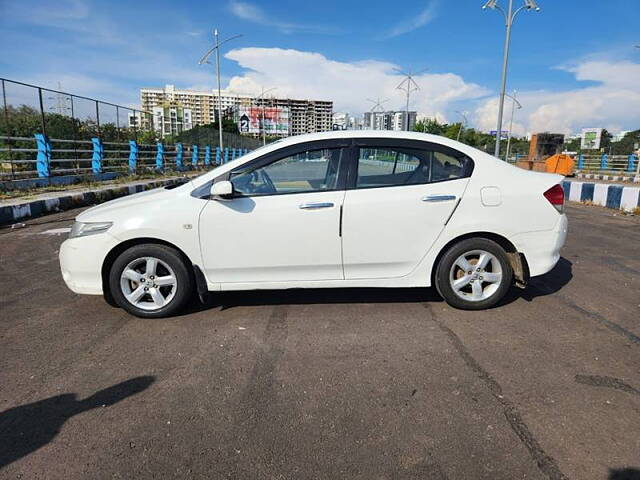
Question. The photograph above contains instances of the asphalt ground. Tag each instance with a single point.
(326, 384)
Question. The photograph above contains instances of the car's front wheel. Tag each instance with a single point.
(150, 281)
(474, 274)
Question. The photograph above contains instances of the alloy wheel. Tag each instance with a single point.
(148, 283)
(475, 275)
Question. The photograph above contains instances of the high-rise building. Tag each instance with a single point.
(391, 120)
(344, 121)
(305, 116)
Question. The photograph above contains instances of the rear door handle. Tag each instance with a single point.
(315, 206)
(438, 198)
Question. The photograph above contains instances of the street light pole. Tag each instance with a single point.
(509, 17)
(462, 124)
(215, 35)
(205, 59)
(408, 85)
(513, 105)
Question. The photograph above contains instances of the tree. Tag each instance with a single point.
(628, 143)
(430, 125)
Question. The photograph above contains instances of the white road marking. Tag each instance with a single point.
(56, 231)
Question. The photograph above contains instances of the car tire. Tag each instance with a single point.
(474, 274)
(151, 281)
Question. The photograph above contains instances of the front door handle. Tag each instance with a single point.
(315, 206)
(438, 198)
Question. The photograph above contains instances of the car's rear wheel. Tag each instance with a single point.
(474, 274)
(150, 281)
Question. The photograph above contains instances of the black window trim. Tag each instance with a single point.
(347, 175)
(389, 143)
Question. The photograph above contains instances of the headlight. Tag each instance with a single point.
(81, 229)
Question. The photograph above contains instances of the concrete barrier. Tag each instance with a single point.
(620, 197)
(17, 210)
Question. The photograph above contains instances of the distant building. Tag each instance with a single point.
(344, 121)
(302, 116)
(135, 119)
(391, 120)
(171, 119)
(619, 136)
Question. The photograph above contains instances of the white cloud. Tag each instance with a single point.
(613, 103)
(254, 14)
(423, 17)
(311, 75)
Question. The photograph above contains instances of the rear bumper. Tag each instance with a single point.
(542, 249)
(81, 262)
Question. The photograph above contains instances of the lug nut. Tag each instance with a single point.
(146, 289)
(152, 277)
(142, 280)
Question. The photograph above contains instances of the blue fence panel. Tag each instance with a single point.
(133, 156)
(207, 155)
(226, 154)
(179, 153)
(98, 155)
(159, 157)
(580, 162)
(603, 161)
(194, 155)
(631, 163)
(43, 158)
(218, 156)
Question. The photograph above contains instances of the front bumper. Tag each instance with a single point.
(542, 249)
(81, 262)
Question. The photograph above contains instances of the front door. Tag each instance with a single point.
(398, 205)
(282, 223)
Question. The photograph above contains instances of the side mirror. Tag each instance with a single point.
(222, 189)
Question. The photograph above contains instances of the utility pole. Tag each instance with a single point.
(509, 17)
(514, 103)
(377, 106)
(205, 59)
(408, 85)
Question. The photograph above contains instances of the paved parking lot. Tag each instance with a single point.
(367, 384)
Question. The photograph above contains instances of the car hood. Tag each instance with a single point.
(106, 212)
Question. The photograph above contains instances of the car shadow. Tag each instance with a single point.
(546, 284)
(27, 428)
(308, 296)
(624, 474)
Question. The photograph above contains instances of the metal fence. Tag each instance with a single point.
(602, 163)
(48, 133)
(608, 163)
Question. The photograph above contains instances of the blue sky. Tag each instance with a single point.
(574, 63)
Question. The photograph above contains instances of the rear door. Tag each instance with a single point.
(400, 195)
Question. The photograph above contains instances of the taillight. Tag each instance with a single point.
(555, 195)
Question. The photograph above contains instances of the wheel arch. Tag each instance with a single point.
(517, 259)
(121, 247)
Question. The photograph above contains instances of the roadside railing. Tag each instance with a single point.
(41, 158)
(607, 163)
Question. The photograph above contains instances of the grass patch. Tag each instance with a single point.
(90, 184)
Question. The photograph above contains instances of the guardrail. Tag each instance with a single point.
(607, 163)
(38, 157)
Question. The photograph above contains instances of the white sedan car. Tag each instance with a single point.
(326, 210)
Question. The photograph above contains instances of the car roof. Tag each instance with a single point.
(474, 153)
(337, 134)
